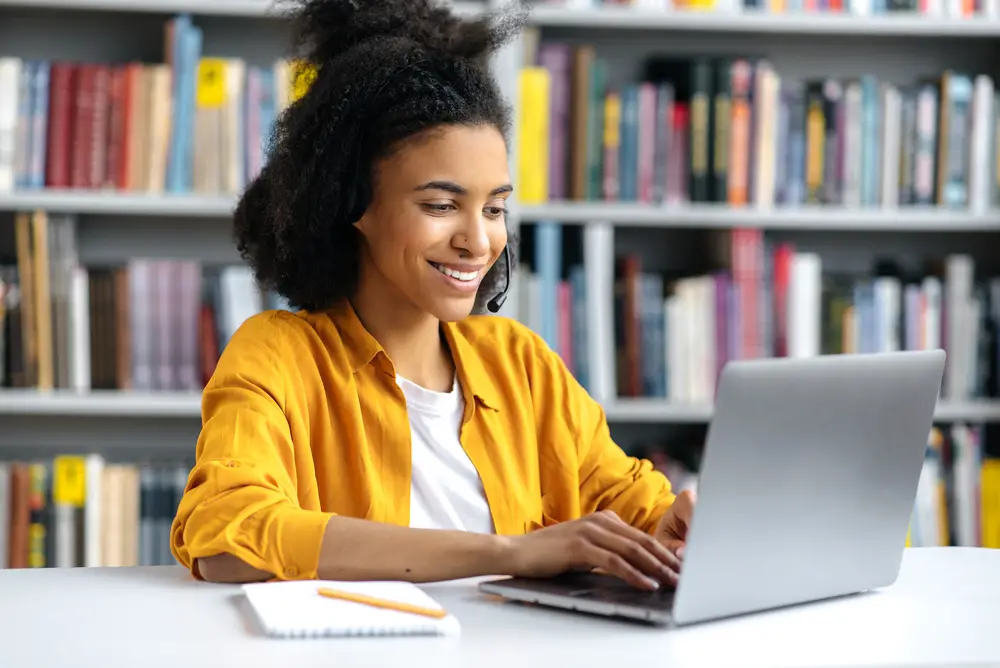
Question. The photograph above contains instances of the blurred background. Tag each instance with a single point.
(696, 181)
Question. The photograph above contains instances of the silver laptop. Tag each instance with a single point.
(805, 492)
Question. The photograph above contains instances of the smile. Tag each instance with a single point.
(464, 276)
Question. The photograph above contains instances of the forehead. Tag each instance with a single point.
(472, 156)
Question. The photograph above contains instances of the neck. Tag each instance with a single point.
(410, 337)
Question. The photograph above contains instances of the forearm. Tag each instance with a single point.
(356, 549)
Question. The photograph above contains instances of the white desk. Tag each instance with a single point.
(944, 609)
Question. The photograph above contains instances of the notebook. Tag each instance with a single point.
(294, 609)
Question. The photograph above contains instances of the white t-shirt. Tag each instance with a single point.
(446, 491)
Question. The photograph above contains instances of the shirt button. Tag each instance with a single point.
(232, 464)
(291, 571)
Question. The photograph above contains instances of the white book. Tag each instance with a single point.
(10, 84)
(980, 153)
(892, 110)
(804, 305)
(295, 609)
(599, 266)
(852, 145)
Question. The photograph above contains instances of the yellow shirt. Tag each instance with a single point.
(303, 420)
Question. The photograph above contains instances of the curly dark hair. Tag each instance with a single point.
(387, 71)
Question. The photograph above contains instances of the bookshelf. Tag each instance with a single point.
(683, 237)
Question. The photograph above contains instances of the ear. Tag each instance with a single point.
(361, 223)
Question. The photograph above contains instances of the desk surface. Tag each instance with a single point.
(944, 608)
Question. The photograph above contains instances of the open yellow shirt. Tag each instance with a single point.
(303, 420)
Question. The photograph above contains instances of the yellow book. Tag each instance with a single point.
(612, 142)
(990, 502)
(534, 86)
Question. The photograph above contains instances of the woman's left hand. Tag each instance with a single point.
(673, 527)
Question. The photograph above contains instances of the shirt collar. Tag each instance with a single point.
(362, 349)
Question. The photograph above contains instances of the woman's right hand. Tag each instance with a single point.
(601, 540)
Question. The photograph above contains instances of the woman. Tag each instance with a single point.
(383, 432)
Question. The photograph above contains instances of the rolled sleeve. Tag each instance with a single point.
(242, 495)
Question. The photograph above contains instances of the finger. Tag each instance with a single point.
(614, 564)
(637, 554)
(666, 556)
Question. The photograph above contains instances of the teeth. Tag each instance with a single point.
(459, 275)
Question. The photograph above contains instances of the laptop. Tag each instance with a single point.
(805, 493)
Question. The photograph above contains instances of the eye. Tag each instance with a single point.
(496, 211)
(438, 207)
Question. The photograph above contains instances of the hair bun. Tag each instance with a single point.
(326, 29)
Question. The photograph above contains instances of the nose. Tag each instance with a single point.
(472, 238)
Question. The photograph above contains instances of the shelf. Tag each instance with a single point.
(119, 204)
(901, 219)
(63, 403)
(603, 18)
(749, 22)
(100, 403)
(246, 8)
(657, 411)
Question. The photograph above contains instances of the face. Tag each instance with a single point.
(436, 223)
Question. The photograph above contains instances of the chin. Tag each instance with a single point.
(452, 310)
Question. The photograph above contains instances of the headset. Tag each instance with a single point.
(494, 304)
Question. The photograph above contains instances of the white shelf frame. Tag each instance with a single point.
(658, 411)
(112, 203)
(187, 405)
(710, 216)
(749, 21)
(235, 8)
(894, 219)
(602, 19)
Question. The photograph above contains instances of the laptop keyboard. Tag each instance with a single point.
(608, 589)
(663, 599)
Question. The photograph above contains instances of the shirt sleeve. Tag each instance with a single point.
(609, 478)
(241, 496)
(612, 479)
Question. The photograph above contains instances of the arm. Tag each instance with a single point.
(613, 480)
(239, 518)
(608, 478)
(240, 521)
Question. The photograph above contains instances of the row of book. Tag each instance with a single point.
(189, 124)
(674, 331)
(732, 130)
(148, 324)
(69, 511)
(83, 511)
(969, 9)
(958, 492)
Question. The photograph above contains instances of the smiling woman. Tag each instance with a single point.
(386, 429)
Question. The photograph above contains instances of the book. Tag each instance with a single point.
(295, 609)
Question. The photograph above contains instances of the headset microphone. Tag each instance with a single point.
(494, 304)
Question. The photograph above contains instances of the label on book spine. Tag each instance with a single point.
(69, 481)
(211, 90)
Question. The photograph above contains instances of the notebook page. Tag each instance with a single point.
(295, 609)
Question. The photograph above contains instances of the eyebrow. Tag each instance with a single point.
(452, 187)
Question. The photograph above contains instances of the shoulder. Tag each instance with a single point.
(503, 338)
(514, 353)
(271, 330)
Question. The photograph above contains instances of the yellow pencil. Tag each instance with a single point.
(381, 603)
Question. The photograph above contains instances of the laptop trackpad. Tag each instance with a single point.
(608, 589)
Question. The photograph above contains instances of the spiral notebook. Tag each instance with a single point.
(295, 609)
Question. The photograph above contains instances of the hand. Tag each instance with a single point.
(602, 540)
(672, 529)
